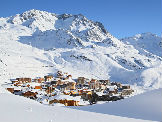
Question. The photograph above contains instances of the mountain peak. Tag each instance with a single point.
(145, 35)
(35, 14)
(33, 11)
(42, 20)
(147, 41)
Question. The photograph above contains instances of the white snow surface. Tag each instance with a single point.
(148, 41)
(146, 106)
(20, 109)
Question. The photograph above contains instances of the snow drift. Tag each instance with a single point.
(145, 106)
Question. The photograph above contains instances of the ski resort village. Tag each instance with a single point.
(63, 90)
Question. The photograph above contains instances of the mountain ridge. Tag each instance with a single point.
(77, 45)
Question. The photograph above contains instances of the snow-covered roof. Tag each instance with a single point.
(33, 84)
(65, 97)
(17, 88)
(112, 88)
(99, 93)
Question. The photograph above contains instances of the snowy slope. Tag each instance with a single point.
(20, 109)
(68, 42)
(147, 41)
(19, 60)
(72, 41)
(146, 106)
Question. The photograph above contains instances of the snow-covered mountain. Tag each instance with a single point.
(146, 41)
(59, 31)
(36, 42)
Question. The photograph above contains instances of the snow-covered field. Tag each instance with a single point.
(36, 43)
(145, 106)
(142, 108)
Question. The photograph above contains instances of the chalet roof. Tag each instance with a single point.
(65, 97)
(17, 88)
(35, 90)
(111, 88)
(100, 93)
(13, 80)
(33, 84)
(68, 80)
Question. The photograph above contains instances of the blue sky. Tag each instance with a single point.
(121, 18)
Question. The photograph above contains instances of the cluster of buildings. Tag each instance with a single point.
(64, 90)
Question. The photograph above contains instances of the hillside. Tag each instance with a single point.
(146, 41)
(35, 39)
